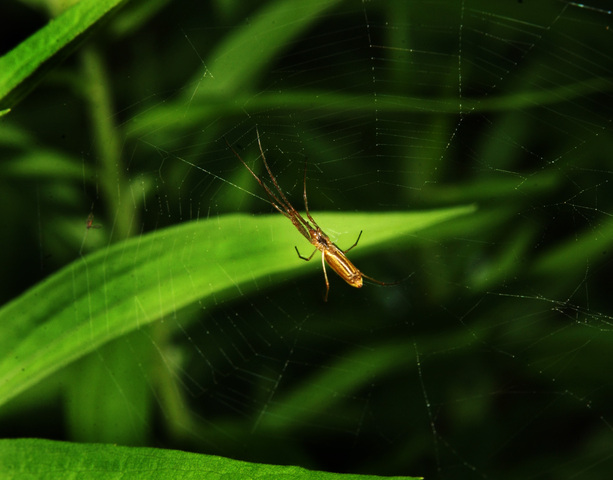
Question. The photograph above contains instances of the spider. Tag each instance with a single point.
(330, 253)
(90, 222)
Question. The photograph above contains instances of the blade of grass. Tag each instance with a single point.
(32, 57)
(117, 290)
(312, 398)
(246, 53)
(235, 66)
(35, 458)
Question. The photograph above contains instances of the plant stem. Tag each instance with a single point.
(115, 187)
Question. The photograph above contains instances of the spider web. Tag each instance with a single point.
(485, 365)
(491, 358)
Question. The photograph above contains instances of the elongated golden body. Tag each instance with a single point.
(336, 259)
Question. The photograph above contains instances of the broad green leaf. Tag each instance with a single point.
(34, 54)
(38, 459)
(114, 291)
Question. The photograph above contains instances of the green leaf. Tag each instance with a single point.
(94, 380)
(268, 32)
(313, 398)
(34, 55)
(231, 75)
(114, 291)
(38, 459)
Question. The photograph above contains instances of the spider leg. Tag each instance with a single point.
(304, 195)
(304, 258)
(379, 282)
(290, 212)
(356, 242)
(323, 265)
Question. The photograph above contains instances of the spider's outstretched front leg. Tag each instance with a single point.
(356, 242)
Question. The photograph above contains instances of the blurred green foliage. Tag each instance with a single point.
(490, 360)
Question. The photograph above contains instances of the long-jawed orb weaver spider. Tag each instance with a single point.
(89, 223)
(330, 253)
